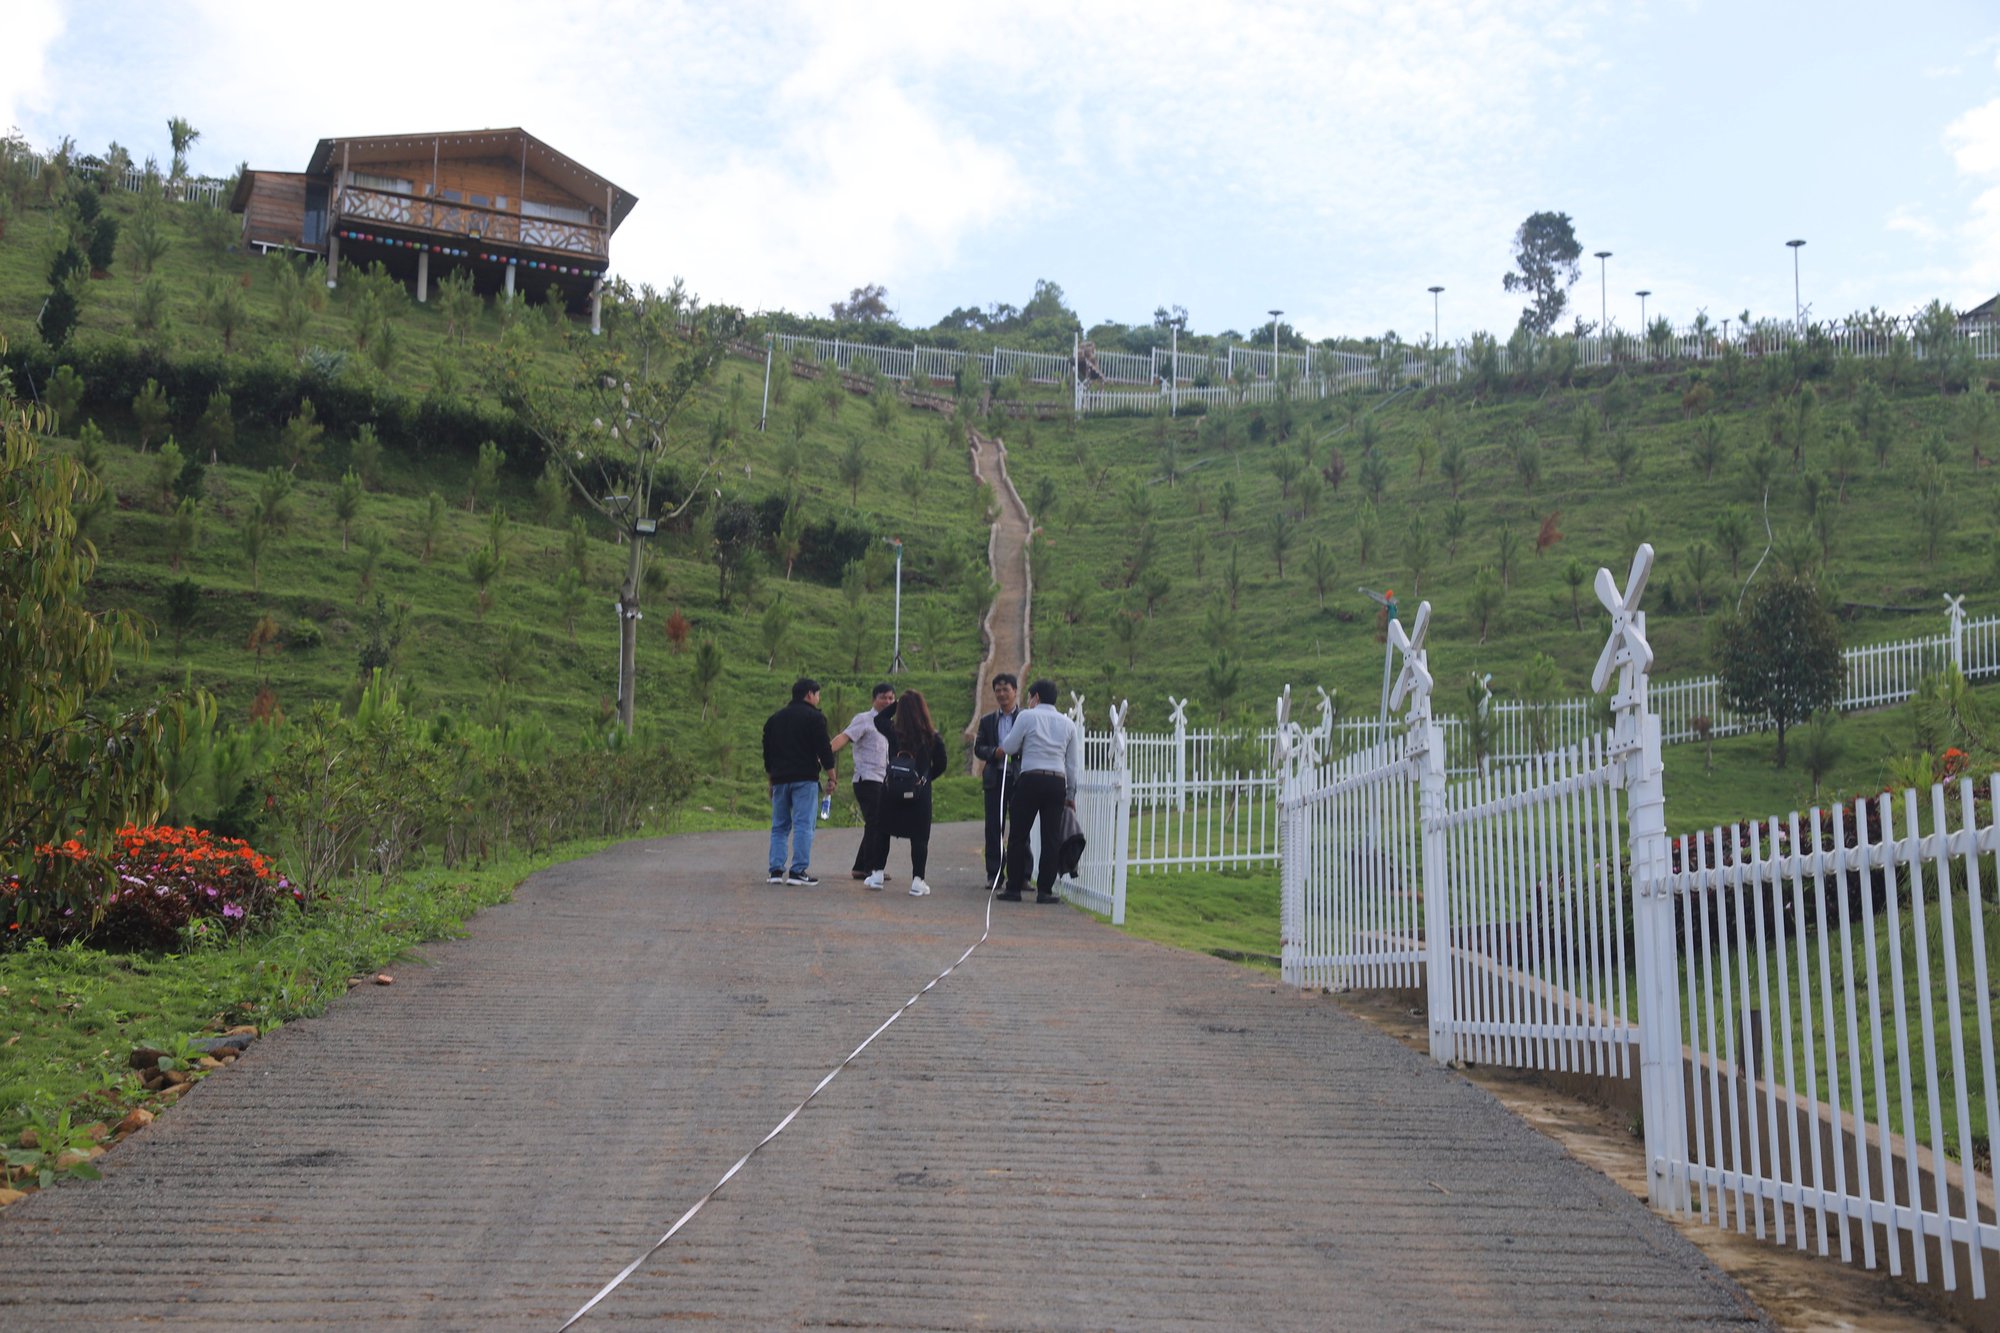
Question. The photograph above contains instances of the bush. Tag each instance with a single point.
(271, 389)
(166, 884)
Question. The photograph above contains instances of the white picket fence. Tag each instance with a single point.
(1163, 379)
(1806, 1002)
(189, 189)
(1836, 977)
(1189, 799)
(1875, 674)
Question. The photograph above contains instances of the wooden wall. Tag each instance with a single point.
(276, 210)
(492, 177)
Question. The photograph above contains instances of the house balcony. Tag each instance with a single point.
(470, 222)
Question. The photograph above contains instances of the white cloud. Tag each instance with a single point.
(1907, 219)
(28, 30)
(1974, 139)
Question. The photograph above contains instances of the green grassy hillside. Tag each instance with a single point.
(1142, 521)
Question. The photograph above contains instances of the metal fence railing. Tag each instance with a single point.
(1806, 1002)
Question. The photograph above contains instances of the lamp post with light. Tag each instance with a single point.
(1798, 309)
(1603, 295)
(1274, 342)
(1437, 365)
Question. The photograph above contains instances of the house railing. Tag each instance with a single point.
(498, 226)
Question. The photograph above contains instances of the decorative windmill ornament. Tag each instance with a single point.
(1414, 681)
(1627, 646)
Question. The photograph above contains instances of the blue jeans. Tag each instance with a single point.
(792, 814)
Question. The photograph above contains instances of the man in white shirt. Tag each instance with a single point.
(1051, 764)
(871, 762)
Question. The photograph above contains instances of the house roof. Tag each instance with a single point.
(515, 142)
(1987, 311)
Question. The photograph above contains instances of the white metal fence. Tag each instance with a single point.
(1874, 674)
(1162, 379)
(1536, 922)
(1807, 1002)
(133, 179)
(1351, 907)
(1835, 982)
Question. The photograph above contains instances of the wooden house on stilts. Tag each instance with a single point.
(500, 204)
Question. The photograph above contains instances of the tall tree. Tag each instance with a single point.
(1546, 252)
(610, 418)
(867, 304)
(69, 769)
(181, 136)
(1779, 657)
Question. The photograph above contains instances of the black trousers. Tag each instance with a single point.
(874, 850)
(1038, 797)
(996, 826)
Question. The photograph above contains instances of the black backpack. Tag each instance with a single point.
(904, 778)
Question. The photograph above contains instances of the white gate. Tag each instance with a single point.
(1104, 811)
(1351, 903)
(1537, 915)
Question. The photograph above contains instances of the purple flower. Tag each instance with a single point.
(132, 879)
(231, 910)
(210, 890)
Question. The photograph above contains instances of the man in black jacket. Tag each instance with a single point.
(796, 751)
(992, 730)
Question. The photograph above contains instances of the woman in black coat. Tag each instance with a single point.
(916, 759)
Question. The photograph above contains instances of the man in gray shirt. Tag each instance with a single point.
(1051, 762)
(871, 762)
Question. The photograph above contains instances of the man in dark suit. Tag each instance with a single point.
(992, 730)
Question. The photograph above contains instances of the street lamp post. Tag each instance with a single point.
(1798, 310)
(1436, 364)
(764, 408)
(1642, 294)
(1603, 296)
(896, 666)
(1274, 342)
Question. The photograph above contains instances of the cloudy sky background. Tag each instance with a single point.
(1333, 158)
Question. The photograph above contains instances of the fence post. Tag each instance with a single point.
(1292, 754)
(1425, 751)
(1180, 752)
(1955, 608)
(1121, 812)
(1635, 741)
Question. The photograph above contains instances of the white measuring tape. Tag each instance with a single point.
(781, 1126)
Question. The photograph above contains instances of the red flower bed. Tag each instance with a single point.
(164, 882)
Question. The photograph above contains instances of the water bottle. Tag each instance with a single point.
(826, 805)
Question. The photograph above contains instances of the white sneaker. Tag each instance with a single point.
(874, 881)
(918, 888)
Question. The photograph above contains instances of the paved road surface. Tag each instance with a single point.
(1075, 1131)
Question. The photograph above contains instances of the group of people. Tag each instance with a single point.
(1032, 760)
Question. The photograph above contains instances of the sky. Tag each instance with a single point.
(1334, 159)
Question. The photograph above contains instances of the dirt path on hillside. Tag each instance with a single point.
(1008, 619)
